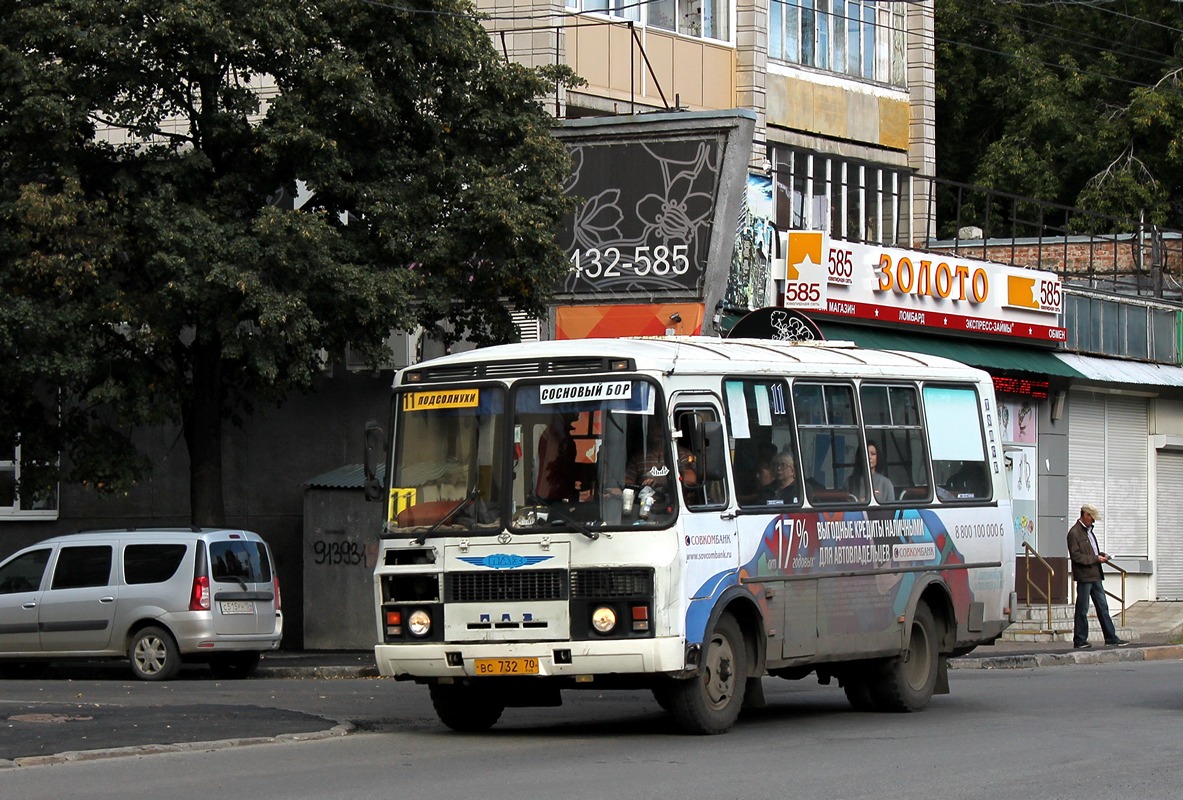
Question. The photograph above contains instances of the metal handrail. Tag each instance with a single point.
(1121, 598)
(1032, 586)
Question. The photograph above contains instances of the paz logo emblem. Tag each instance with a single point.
(504, 560)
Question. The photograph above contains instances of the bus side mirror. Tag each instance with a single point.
(374, 439)
(712, 451)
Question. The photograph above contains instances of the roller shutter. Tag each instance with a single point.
(1168, 562)
(1108, 441)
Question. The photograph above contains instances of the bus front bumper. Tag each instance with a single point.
(542, 659)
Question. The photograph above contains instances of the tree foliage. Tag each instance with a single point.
(153, 267)
(1076, 102)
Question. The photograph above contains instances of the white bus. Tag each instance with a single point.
(598, 514)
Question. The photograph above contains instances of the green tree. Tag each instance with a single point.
(151, 267)
(1075, 102)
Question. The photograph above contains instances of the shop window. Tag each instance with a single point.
(21, 503)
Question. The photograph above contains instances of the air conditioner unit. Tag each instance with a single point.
(529, 330)
(402, 347)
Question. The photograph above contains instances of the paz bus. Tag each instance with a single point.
(598, 514)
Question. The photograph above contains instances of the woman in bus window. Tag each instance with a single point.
(881, 485)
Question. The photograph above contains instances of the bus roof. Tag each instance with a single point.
(690, 354)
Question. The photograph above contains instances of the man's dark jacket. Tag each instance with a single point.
(1085, 564)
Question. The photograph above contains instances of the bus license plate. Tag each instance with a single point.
(237, 607)
(506, 666)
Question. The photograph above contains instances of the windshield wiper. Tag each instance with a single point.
(446, 518)
(553, 507)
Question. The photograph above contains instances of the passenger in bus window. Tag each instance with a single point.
(650, 467)
(763, 483)
(968, 481)
(881, 485)
(786, 488)
(556, 460)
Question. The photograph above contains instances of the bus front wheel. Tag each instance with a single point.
(465, 708)
(710, 702)
(907, 682)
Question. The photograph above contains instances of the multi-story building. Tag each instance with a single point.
(843, 96)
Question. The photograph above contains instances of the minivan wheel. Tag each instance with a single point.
(235, 665)
(153, 655)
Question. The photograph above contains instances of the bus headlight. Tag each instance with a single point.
(419, 623)
(603, 619)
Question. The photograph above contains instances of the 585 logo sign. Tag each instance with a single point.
(806, 272)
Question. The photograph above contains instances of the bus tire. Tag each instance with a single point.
(860, 693)
(710, 702)
(664, 695)
(907, 682)
(465, 708)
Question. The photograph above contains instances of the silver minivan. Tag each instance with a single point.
(154, 596)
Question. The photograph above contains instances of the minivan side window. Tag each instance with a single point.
(151, 563)
(24, 573)
(240, 560)
(79, 567)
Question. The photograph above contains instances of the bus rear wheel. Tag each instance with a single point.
(710, 702)
(859, 691)
(465, 708)
(907, 682)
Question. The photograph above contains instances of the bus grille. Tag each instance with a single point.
(476, 587)
(606, 584)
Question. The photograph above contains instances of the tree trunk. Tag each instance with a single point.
(203, 436)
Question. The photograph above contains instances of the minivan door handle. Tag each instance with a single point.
(30, 604)
(106, 599)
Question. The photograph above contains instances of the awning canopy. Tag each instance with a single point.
(1114, 370)
(1003, 357)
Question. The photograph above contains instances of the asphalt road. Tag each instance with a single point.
(1105, 731)
(95, 710)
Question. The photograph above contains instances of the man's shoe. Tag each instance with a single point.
(1083, 646)
(1117, 643)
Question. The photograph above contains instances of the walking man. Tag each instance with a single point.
(1087, 558)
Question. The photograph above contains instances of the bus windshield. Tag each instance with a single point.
(446, 459)
(592, 455)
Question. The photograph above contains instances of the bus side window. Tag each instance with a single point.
(760, 420)
(832, 451)
(891, 418)
(957, 443)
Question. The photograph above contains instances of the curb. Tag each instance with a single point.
(1099, 656)
(72, 756)
(328, 672)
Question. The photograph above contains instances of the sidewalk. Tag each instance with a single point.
(1022, 655)
(1001, 655)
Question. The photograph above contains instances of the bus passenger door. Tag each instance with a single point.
(709, 536)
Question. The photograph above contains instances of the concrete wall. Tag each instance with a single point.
(266, 463)
(340, 548)
(1052, 503)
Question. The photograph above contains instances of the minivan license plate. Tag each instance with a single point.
(237, 607)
